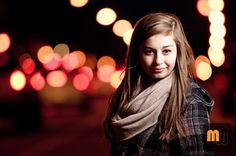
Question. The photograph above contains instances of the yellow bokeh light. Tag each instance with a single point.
(203, 71)
(216, 43)
(216, 4)
(45, 54)
(62, 49)
(57, 78)
(216, 17)
(17, 80)
(217, 58)
(120, 27)
(116, 78)
(106, 60)
(218, 30)
(78, 3)
(127, 36)
(203, 7)
(106, 16)
(5, 42)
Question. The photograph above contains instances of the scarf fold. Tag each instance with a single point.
(142, 112)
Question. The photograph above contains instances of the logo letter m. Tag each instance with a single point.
(213, 135)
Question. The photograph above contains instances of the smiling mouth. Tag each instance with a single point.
(157, 70)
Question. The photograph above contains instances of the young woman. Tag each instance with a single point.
(159, 109)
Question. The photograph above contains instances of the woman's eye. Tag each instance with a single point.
(166, 51)
(148, 51)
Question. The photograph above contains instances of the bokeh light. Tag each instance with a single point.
(81, 81)
(116, 78)
(17, 80)
(70, 61)
(218, 30)
(203, 70)
(120, 27)
(106, 16)
(104, 73)
(45, 54)
(56, 78)
(87, 71)
(82, 57)
(28, 66)
(23, 57)
(216, 43)
(216, 17)
(203, 7)
(201, 58)
(106, 60)
(54, 62)
(37, 81)
(217, 58)
(62, 49)
(216, 4)
(127, 36)
(78, 3)
(5, 42)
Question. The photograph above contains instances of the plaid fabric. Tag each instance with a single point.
(196, 122)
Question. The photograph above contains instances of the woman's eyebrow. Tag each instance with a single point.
(168, 46)
(149, 47)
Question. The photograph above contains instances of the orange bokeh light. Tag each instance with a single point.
(104, 73)
(45, 54)
(201, 58)
(106, 60)
(82, 57)
(203, 7)
(5, 42)
(56, 78)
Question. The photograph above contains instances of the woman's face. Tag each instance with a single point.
(157, 56)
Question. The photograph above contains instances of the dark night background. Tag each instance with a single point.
(77, 129)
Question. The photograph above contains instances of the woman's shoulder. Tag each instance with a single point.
(198, 95)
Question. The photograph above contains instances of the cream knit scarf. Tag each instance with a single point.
(143, 111)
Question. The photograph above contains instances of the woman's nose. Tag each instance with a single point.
(158, 59)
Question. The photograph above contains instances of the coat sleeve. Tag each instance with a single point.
(196, 122)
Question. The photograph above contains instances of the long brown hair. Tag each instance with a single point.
(133, 82)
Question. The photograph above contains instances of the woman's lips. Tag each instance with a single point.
(157, 70)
